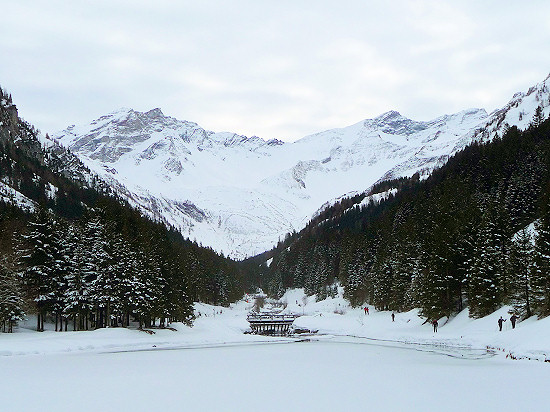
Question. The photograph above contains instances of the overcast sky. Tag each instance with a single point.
(275, 69)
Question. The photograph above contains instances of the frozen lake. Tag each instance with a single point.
(329, 374)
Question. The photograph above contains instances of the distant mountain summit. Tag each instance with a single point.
(241, 194)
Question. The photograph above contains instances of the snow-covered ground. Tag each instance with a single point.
(530, 339)
(355, 362)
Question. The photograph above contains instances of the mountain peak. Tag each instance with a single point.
(156, 112)
(393, 122)
(392, 114)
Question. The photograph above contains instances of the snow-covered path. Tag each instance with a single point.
(323, 375)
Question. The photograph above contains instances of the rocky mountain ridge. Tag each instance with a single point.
(241, 194)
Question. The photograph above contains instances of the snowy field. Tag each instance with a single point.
(355, 362)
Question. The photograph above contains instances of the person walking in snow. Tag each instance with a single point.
(500, 322)
(393, 317)
(365, 309)
(435, 324)
(513, 319)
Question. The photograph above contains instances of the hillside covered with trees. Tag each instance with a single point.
(462, 237)
(73, 253)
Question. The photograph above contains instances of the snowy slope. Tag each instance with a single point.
(12, 196)
(241, 194)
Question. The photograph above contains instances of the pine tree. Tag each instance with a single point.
(519, 267)
(404, 264)
(382, 276)
(41, 261)
(11, 299)
(486, 275)
(98, 262)
(355, 288)
(541, 270)
(77, 296)
(432, 293)
(538, 117)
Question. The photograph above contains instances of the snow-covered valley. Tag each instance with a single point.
(354, 360)
(240, 195)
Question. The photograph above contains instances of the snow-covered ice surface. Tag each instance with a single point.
(355, 362)
(319, 376)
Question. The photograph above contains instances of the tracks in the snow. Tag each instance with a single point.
(438, 348)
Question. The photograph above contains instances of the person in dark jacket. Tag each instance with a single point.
(393, 317)
(513, 319)
(500, 322)
(435, 324)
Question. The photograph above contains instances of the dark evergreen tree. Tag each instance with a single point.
(41, 259)
(11, 299)
(487, 271)
(540, 275)
(519, 268)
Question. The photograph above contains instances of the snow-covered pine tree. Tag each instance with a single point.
(347, 251)
(176, 304)
(275, 287)
(382, 276)
(540, 275)
(77, 296)
(40, 260)
(523, 190)
(11, 299)
(141, 299)
(321, 272)
(519, 267)
(98, 262)
(433, 288)
(160, 268)
(486, 274)
(355, 287)
(61, 269)
(299, 272)
(404, 263)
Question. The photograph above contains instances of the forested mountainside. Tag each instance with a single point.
(73, 252)
(461, 237)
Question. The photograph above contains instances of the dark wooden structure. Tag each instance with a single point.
(270, 323)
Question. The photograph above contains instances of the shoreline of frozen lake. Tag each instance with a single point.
(333, 316)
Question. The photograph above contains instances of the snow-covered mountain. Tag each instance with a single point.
(241, 194)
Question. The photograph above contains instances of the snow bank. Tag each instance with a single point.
(530, 339)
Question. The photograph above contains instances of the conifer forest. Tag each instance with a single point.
(475, 233)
